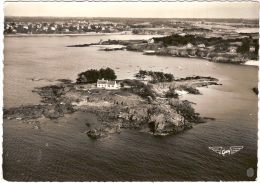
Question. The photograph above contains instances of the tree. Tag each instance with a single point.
(108, 73)
(155, 76)
(92, 75)
(141, 74)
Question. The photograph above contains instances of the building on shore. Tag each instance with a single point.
(101, 83)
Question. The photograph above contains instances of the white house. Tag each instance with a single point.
(201, 46)
(112, 85)
(150, 41)
(101, 83)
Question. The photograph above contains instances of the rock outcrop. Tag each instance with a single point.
(255, 89)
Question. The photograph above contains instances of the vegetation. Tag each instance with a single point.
(171, 93)
(155, 77)
(189, 89)
(177, 40)
(92, 75)
(185, 109)
(246, 43)
(139, 88)
(222, 47)
(197, 30)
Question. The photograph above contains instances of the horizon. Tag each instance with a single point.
(125, 17)
(209, 10)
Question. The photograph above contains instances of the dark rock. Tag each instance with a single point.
(209, 118)
(97, 133)
(255, 89)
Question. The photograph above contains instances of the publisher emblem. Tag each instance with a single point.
(223, 151)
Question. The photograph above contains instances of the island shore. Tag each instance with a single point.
(117, 109)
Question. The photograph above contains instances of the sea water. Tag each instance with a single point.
(63, 152)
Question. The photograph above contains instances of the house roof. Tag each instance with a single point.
(233, 47)
(111, 82)
(102, 81)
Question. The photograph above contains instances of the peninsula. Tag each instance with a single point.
(216, 49)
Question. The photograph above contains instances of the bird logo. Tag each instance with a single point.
(222, 151)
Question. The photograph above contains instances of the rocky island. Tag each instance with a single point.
(151, 106)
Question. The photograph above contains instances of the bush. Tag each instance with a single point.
(155, 76)
(185, 109)
(140, 88)
(171, 93)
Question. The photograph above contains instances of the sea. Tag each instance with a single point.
(63, 152)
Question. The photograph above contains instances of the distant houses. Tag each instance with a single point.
(182, 34)
(252, 48)
(101, 83)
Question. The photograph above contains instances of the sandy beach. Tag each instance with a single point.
(252, 62)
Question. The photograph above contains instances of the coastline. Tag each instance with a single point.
(125, 108)
(85, 34)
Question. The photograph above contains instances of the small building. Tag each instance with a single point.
(189, 45)
(232, 49)
(252, 48)
(182, 34)
(201, 46)
(112, 85)
(101, 83)
(150, 41)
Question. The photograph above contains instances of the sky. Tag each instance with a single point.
(134, 9)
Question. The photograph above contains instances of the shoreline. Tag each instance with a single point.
(159, 50)
(125, 108)
(85, 34)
